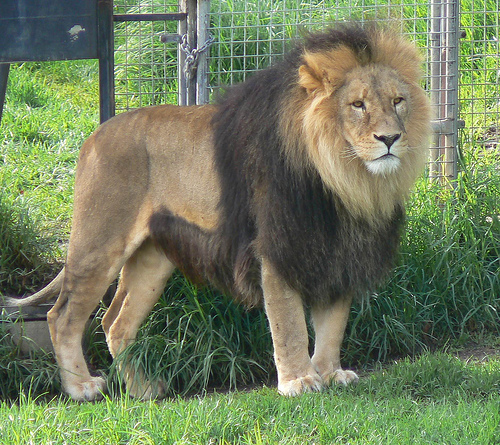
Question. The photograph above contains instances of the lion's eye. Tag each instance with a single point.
(397, 100)
(358, 104)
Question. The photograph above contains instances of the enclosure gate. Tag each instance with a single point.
(192, 19)
(133, 21)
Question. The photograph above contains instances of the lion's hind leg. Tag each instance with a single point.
(142, 281)
(80, 293)
(329, 325)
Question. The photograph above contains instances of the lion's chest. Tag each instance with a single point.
(324, 253)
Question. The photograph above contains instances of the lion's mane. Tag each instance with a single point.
(325, 236)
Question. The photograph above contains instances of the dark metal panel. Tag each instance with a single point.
(38, 30)
(13, 9)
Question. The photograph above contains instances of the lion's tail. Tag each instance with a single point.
(48, 293)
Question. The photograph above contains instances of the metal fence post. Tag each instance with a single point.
(444, 41)
(203, 25)
(187, 85)
(452, 15)
(106, 53)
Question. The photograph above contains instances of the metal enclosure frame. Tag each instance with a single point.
(36, 30)
(444, 82)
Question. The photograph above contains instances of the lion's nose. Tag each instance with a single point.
(388, 139)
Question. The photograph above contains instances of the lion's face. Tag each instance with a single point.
(364, 123)
(374, 107)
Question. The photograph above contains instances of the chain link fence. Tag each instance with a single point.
(459, 39)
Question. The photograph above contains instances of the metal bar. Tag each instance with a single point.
(203, 13)
(446, 126)
(171, 38)
(193, 43)
(435, 86)
(181, 56)
(4, 77)
(175, 16)
(105, 50)
(444, 42)
(452, 53)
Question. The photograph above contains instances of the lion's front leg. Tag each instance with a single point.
(284, 309)
(329, 325)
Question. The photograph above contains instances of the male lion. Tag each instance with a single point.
(289, 192)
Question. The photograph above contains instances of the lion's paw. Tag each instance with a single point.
(295, 387)
(139, 387)
(342, 377)
(88, 390)
(147, 390)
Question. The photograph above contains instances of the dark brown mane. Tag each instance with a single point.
(270, 208)
(351, 35)
(285, 215)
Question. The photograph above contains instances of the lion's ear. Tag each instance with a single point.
(309, 79)
(313, 76)
(324, 73)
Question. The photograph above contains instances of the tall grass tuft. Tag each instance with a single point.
(199, 338)
(447, 282)
(25, 253)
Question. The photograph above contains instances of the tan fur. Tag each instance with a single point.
(162, 158)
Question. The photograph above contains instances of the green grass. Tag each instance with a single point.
(50, 109)
(435, 399)
(447, 282)
(199, 338)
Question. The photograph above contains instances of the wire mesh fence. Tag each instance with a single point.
(459, 39)
(479, 88)
(251, 35)
(146, 68)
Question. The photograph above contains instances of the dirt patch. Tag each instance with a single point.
(478, 353)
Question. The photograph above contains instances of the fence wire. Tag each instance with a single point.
(479, 89)
(251, 35)
(146, 68)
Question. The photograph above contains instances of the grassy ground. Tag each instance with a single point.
(50, 109)
(446, 284)
(435, 399)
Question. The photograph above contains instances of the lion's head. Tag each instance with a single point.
(363, 119)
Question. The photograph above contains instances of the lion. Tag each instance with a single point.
(288, 192)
